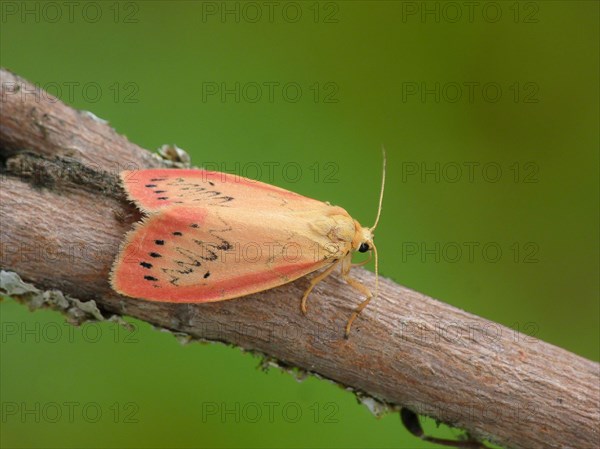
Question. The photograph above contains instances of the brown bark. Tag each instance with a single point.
(61, 228)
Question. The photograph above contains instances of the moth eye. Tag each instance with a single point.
(364, 247)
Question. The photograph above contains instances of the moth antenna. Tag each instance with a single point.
(382, 189)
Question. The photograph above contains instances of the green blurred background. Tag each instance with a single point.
(490, 118)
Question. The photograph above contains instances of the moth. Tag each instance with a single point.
(210, 236)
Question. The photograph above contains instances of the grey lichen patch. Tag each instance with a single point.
(12, 284)
(77, 312)
(53, 299)
(375, 406)
(118, 319)
(88, 307)
(94, 117)
(173, 156)
(181, 337)
(267, 362)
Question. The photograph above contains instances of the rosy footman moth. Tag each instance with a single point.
(210, 236)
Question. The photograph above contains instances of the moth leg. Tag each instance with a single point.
(411, 421)
(361, 288)
(315, 281)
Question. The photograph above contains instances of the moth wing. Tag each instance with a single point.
(155, 189)
(205, 254)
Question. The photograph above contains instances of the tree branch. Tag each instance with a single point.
(63, 217)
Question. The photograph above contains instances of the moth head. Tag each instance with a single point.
(363, 239)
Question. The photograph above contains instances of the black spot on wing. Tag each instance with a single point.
(225, 246)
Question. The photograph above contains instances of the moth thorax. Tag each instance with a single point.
(335, 228)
